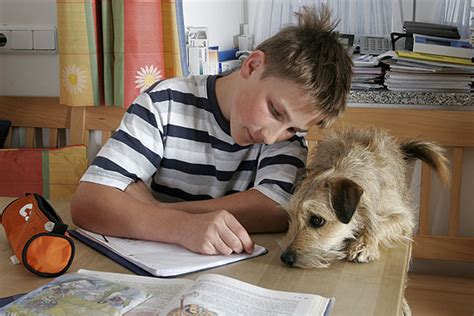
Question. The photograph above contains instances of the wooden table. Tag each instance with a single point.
(360, 289)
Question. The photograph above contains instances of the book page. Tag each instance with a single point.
(77, 293)
(214, 294)
(162, 290)
(163, 259)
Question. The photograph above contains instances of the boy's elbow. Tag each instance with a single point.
(82, 203)
(77, 207)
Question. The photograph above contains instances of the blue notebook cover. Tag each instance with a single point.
(110, 254)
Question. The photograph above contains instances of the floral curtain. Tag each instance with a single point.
(111, 50)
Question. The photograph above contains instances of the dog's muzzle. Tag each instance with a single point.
(288, 257)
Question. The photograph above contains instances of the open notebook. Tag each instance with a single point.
(155, 258)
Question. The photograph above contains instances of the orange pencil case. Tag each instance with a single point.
(38, 236)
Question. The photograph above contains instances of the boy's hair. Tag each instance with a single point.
(311, 55)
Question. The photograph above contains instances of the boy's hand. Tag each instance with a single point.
(213, 233)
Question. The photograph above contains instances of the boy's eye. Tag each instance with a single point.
(274, 111)
(291, 130)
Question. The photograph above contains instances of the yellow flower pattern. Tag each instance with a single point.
(147, 76)
(74, 79)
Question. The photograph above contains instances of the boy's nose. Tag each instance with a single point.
(273, 135)
(271, 138)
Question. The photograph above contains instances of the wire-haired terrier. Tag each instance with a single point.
(354, 197)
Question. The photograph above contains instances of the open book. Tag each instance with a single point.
(213, 294)
(157, 259)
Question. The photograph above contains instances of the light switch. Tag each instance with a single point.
(22, 40)
(44, 40)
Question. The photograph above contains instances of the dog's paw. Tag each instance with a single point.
(362, 252)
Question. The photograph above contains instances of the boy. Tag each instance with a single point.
(222, 153)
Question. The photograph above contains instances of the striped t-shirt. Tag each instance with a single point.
(175, 138)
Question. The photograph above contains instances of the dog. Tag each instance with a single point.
(354, 197)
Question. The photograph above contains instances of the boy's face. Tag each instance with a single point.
(268, 110)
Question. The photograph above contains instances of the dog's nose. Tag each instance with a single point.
(288, 257)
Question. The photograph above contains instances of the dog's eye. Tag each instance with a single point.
(316, 221)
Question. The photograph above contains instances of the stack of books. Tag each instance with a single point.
(368, 73)
(435, 64)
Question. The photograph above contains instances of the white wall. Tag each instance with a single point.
(37, 75)
(222, 18)
(28, 74)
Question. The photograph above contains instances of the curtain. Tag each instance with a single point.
(111, 50)
(454, 12)
(359, 17)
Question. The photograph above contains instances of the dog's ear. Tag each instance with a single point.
(345, 196)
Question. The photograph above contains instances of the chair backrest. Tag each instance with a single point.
(50, 167)
(453, 129)
(44, 115)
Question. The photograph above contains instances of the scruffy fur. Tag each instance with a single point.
(354, 197)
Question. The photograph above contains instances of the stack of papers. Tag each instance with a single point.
(410, 71)
(367, 73)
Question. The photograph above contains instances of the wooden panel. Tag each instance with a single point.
(77, 125)
(452, 128)
(437, 295)
(53, 138)
(34, 111)
(105, 136)
(444, 248)
(103, 118)
(425, 199)
(30, 137)
(455, 197)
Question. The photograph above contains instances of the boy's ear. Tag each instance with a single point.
(255, 60)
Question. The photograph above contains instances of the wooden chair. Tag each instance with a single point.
(35, 114)
(453, 129)
(60, 175)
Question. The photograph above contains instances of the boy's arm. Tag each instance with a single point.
(255, 211)
(110, 211)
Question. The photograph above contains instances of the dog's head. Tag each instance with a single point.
(321, 220)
